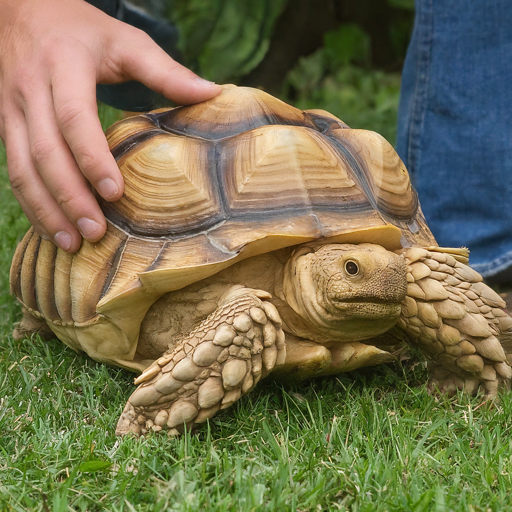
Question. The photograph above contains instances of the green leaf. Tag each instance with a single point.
(224, 39)
(91, 466)
(349, 43)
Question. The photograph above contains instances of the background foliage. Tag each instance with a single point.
(338, 55)
(224, 39)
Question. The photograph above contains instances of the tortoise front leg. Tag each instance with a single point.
(457, 321)
(213, 366)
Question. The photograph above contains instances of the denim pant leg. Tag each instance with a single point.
(455, 125)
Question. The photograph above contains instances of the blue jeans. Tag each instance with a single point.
(455, 125)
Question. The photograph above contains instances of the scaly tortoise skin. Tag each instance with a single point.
(254, 239)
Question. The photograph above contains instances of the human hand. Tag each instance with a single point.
(52, 55)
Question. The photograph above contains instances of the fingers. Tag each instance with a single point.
(58, 169)
(55, 145)
(47, 177)
(142, 60)
(38, 204)
(74, 98)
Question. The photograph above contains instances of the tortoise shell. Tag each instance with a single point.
(208, 185)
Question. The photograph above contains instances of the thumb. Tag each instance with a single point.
(144, 61)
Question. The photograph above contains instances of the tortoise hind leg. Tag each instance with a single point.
(213, 366)
(30, 324)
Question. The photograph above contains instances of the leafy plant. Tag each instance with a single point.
(329, 79)
(224, 39)
(346, 45)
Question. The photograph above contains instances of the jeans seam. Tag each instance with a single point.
(495, 266)
(425, 24)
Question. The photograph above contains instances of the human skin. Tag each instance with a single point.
(52, 55)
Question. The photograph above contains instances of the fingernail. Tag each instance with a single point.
(108, 188)
(63, 240)
(204, 82)
(88, 227)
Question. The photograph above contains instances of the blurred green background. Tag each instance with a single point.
(339, 55)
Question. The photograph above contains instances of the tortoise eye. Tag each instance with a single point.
(351, 268)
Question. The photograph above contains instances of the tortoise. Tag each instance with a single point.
(256, 239)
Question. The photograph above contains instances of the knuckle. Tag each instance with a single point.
(54, 50)
(24, 84)
(43, 214)
(134, 43)
(66, 200)
(138, 36)
(69, 113)
(22, 81)
(75, 203)
(18, 183)
(41, 151)
(87, 161)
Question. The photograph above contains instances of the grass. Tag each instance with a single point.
(368, 441)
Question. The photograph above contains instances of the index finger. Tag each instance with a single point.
(74, 96)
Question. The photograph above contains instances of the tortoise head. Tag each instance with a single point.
(346, 292)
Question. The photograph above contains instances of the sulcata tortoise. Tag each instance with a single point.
(252, 239)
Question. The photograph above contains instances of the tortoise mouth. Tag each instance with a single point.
(365, 309)
(364, 300)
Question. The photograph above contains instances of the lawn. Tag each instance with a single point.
(366, 441)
